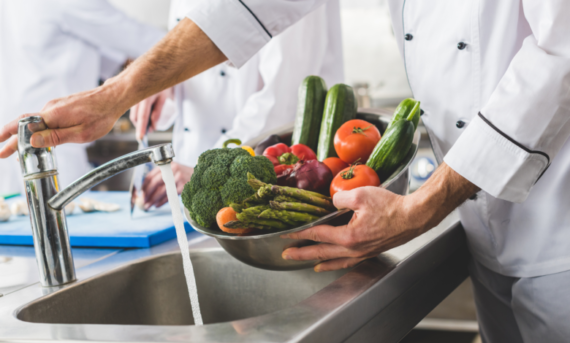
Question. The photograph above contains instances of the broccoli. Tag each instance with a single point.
(220, 178)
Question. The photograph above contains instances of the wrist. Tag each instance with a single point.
(419, 211)
(119, 92)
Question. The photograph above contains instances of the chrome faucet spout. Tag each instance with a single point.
(47, 217)
(159, 154)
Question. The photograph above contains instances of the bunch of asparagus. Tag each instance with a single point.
(276, 207)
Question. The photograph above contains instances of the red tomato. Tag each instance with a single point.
(353, 177)
(355, 140)
(335, 164)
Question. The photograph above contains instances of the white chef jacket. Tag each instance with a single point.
(494, 81)
(53, 48)
(225, 102)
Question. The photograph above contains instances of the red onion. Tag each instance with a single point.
(311, 175)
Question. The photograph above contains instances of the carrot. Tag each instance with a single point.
(227, 214)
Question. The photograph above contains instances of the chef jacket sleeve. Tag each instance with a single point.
(240, 28)
(104, 26)
(512, 141)
(283, 64)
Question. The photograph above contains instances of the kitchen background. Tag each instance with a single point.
(374, 68)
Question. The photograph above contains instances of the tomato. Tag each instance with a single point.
(353, 177)
(335, 164)
(355, 140)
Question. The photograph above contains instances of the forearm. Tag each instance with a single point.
(444, 191)
(185, 52)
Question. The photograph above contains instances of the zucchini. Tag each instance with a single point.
(393, 147)
(405, 109)
(340, 107)
(312, 94)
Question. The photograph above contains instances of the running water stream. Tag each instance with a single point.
(168, 178)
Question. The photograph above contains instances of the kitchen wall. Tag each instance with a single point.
(371, 55)
(372, 60)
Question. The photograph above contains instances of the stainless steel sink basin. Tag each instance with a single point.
(153, 292)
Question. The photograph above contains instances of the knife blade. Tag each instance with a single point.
(140, 172)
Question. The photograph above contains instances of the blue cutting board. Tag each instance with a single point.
(98, 229)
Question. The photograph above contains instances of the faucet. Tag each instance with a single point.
(46, 203)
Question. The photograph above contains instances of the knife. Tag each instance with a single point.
(140, 172)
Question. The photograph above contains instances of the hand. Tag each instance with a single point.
(141, 112)
(382, 220)
(153, 187)
(79, 118)
(186, 51)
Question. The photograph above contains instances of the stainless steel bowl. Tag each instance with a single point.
(264, 251)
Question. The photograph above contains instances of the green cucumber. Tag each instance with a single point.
(405, 109)
(393, 147)
(340, 107)
(310, 106)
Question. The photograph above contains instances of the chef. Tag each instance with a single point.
(225, 102)
(50, 49)
(494, 81)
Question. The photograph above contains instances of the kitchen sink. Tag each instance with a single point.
(140, 295)
(154, 292)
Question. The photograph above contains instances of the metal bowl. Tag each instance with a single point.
(264, 251)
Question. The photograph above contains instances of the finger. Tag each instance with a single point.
(158, 194)
(159, 203)
(346, 199)
(321, 252)
(55, 137)
(180, 187)
(151, 188)
(321, 233)
(143, 116)
(339, 263)
(156, 112)
(133, 114)
(11, 129)
(150, 176)
(10, 148)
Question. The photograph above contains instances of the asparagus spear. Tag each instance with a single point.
(253, 182)
(262, 222)
(265, 192)
(299, 207)
(252, 213)
(288, 215)
(284, 198)
(237, 207)
(236, 224)
(305, 196)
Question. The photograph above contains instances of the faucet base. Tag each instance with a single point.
(49, 229)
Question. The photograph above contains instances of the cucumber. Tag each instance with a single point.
(405, 109)
(312, 94)
(392, 148)
(340, 107)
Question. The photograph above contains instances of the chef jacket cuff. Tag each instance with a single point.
(232, 26)
(495, 162)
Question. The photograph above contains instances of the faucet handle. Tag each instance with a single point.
(34, 160)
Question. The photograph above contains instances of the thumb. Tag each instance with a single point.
(347, 199)
(55, 137)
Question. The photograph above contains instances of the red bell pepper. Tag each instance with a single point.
(303, 152)
(284, 158)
